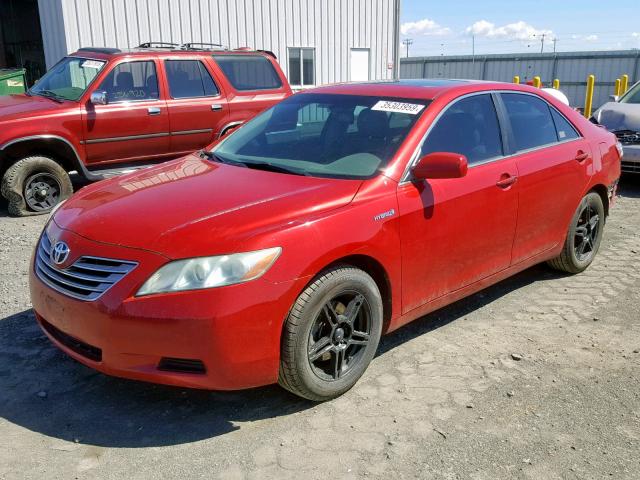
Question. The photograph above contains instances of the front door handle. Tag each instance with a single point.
(581, 156)
(153, 110)
(216, 106)
(506, 182)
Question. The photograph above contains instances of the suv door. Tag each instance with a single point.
(455, 232)
(554, 164)
(134, 124)
(197, 107)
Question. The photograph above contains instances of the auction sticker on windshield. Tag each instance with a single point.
(398, 107)
(92, 64)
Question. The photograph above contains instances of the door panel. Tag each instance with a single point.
(455, 231)
(135, 122)
(197, 107)
(551, 182)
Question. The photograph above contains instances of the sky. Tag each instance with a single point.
(439, 27)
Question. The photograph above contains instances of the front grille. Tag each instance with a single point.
(630, 167)
(86, 279)
(628, 137)
(72, 343)
(181, 365)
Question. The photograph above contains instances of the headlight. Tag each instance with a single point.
(210, 272)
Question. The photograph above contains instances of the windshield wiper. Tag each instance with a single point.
(50, 95)
(275, 168)
(216, 158)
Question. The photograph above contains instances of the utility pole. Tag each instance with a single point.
(554, 44)
(473, 49)
(406, 42)
(542, 35)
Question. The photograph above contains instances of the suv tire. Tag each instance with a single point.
(34, 185)
(584, 236)
(331, 334)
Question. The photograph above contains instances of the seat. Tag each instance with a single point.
(373, 131)
(334, 132)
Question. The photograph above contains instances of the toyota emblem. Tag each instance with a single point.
(60, 253)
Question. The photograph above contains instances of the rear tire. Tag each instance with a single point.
(331, 334)
(584, 236)
(34, 185)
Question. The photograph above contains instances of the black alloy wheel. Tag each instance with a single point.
(339, 335)
(42, 191)
(586, 233)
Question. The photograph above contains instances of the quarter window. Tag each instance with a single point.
(302, 66)
(531, 121)
(564, 129)
(131, 81)
(189, 78)
(249, 72)
(469, 127)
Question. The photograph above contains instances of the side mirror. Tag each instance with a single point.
(440, 165)
(99, 98)
(614, 98)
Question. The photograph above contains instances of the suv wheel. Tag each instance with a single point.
(34, 185)
(331, 334)
(584, 236)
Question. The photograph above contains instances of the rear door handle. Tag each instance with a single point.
(507, 182)
(581, 156)
(153, 110)
(216, 107)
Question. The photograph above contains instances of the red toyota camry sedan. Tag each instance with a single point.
(285, 251)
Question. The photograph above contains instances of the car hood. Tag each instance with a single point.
(619, 116)
(194, 207)
(20, 106)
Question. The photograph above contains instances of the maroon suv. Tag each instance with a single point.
(102, 111)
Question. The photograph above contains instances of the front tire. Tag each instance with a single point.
(34, 185)
(331, 334)
(584, 236)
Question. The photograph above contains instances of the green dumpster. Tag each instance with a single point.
(12, 80)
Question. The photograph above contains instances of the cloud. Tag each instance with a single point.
(635, 34)
(425, 26)
(516, 31)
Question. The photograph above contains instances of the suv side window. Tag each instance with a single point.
(189, 79)
(564, 129)
(249, 72)
(131, 81)
(469, 127)
(531, 121)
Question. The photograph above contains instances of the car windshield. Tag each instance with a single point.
(326, 135)
(633, 96)
(69, 79)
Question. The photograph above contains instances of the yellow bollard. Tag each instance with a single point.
(537, 82)
(516, 79)
(625, 84)
(588, 101)
(616, 89)
(556, 84)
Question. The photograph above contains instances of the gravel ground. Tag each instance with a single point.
(534, 378)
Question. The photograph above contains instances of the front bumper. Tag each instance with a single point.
(631, 159)
(233, 331)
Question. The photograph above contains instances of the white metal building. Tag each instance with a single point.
(316, 41)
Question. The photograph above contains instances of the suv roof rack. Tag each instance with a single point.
(158, 45)
(202, 46)
(100, 50)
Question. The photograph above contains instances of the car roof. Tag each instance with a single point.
(416, 88)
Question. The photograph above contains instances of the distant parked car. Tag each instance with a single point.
(337, 215)
(622, 117)
(102, 110)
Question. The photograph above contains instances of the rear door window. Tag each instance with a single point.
(531, 121)
(131, 81)
(249, 72)
(564, 129)
(189, 79)
(469, 127)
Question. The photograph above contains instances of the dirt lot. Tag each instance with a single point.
(445, 398)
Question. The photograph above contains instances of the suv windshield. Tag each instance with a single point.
(69, 79)
(632, 96)
(338, 136)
